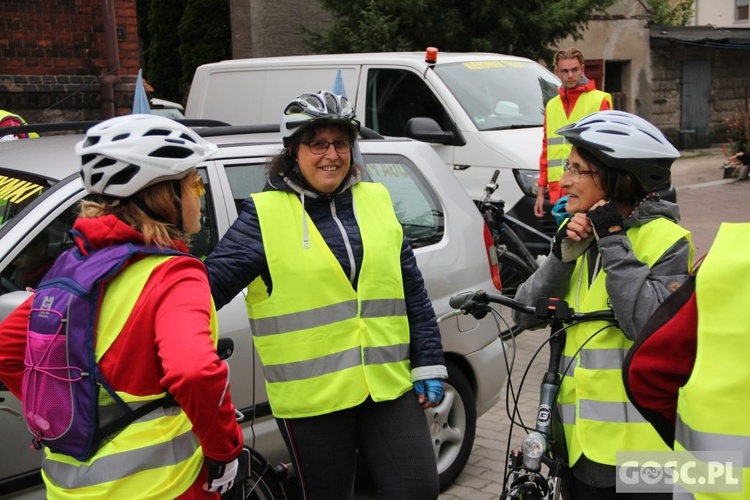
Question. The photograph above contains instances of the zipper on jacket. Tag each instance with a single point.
(347, 243)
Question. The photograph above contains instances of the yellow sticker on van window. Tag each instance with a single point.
(17, 190)
(493, 64)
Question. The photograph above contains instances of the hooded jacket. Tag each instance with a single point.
(240, 257)
(165, 344)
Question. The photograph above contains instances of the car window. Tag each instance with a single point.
(35, 259)
(416, 204)
(17, 191)
(394, 96)
(500, 94)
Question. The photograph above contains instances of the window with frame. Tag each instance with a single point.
(741, 10)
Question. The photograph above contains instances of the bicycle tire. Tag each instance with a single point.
(262, 484)
(514, 271)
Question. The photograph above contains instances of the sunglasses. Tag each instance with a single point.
(198, 187)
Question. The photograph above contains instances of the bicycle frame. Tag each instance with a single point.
(545, 445)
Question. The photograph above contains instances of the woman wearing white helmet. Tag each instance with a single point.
(622, 249)
(143, 168)
(341, 319)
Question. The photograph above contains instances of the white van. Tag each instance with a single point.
(480, 111)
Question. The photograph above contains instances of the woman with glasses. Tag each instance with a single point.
(622, 249)
(341, 320)
(156, 326)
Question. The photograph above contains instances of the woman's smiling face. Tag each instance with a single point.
(586, 189)
(325, 171)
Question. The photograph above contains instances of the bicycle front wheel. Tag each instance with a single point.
(514, 271)
(262, 484)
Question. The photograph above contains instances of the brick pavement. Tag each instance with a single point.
(705, 199)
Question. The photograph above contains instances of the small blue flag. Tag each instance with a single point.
(140, 100)
(338, 85)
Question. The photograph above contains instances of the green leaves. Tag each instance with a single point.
(520, 28)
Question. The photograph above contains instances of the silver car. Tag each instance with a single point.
(39, 188)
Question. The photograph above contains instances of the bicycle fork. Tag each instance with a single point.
(545, 445)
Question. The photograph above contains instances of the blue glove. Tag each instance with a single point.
(433, 387)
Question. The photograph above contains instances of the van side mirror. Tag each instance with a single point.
(426, 129)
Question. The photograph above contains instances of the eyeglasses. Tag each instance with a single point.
(321, 147)
(198, 187)
(575, 172)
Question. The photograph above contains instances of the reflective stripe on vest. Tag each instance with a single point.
(328, 349)
(157, 455)
(598, 417)
(558, 149)
(713, 404)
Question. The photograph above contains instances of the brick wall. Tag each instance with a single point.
(53, 54)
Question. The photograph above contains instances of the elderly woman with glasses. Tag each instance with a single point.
(341, 320)
(622, 249)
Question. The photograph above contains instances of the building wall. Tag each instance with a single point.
(622, 35)
(265, 28)
(720, 13)
(730, 87)
(53, 55)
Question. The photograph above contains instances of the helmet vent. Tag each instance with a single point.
(125, 175)
(120, 137)
(91, 141)
(171, 152)
(103, 163)
(156, 131)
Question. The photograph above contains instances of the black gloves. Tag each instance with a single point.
(567, 249)
(561, 234)
(606, 220)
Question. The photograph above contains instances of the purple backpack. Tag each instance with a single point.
(61, 381)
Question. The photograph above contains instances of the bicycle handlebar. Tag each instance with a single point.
(547, 308)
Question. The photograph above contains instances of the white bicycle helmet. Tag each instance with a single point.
(125, 154)
(317, 108)
(626, 142)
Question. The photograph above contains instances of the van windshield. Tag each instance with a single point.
(16, 191)
(500, 94)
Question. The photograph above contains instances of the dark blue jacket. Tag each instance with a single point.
(240, 257)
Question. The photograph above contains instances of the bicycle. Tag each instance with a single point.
(545, 443)
(257, 478)
(515, 260)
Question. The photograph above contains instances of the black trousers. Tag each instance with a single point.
(391, 437)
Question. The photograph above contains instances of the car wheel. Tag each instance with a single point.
(453, 424)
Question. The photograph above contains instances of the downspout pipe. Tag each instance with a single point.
(112, 76)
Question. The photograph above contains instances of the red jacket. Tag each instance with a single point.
(569, 99)
(165, 343)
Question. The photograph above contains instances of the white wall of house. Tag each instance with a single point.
(722, 13)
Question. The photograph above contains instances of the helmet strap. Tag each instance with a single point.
(145, 208)
(178, 203)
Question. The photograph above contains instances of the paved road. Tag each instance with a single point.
(705, 200)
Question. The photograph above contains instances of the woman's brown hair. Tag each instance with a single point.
(161, 198)
(619, 186)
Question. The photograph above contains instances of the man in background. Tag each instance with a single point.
(577, 98)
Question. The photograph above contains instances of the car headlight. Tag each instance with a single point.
(527, 180)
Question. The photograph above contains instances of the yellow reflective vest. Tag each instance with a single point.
(557, 148)
(713, 405)
(157, 456)
(324, 345)
(598, 418)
